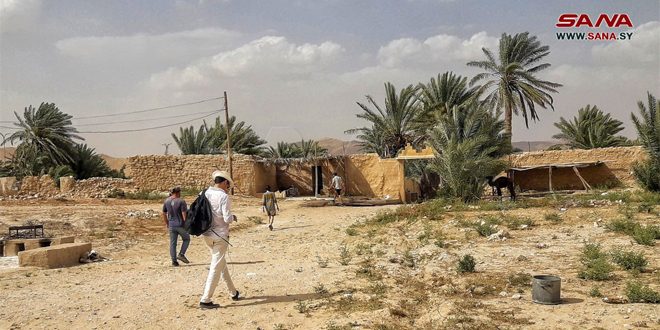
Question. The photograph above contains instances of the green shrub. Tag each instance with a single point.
(595, 292)
(553, 217)
(520, 280)
(629, 260)
(595, 264)
(344, 255)
(466, 264)
(639, 293)
(513, 222)
(626, 226)
(350, 231)
(645, 235)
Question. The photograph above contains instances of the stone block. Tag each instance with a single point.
(13, 246)
(55, 256)
(67, 183)
(7, 185)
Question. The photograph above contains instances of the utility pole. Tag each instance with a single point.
(167, 146)
(231, 169)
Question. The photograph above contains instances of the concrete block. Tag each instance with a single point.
(62, 240)
(56, 256)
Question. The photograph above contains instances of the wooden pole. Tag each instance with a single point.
(584, 182)
(550, 178)
(231, 169)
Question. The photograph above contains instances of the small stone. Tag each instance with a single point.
(541, 246)
(516, 296)
(503, 294)
(521, 258)
(479, 290)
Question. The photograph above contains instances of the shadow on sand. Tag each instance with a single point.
(259, 300)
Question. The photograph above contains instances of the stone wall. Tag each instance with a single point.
(617, 167)
(38, 186)
(162, 172)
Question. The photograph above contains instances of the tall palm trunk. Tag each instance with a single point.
(508, 114)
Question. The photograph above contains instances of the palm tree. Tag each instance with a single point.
(468, 141)
(311, 149)
(191, 142)
(244, 140)
(87, 163)
(591, 128)
(511, 83)
(284, 150)
(648, 128)
(46, 132)
(439, 95)
(394, 126)
(371, 140)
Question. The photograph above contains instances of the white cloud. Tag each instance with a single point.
(644, 47)
(439, 48)
(265, 58)
(16, 15)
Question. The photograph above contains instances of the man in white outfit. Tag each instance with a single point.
(217, 238)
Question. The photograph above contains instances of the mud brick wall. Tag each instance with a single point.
(162, 172)
(617, 167)
(364, 175)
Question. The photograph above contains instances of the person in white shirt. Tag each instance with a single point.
(217, 238)
(337, 184)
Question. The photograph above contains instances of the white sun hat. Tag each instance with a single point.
(222, 174)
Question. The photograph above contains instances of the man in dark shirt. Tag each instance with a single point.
(174, 215)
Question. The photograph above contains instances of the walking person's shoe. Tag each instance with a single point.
(235, 296)
(270, 227)
(175, 263)
(208, 305)
(183, 259)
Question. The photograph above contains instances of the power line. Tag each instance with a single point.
(8, 127)
(148, 128)
(148, 119)
(148, 110)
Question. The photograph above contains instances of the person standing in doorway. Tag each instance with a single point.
(270, 206)
(174, 215)
(337, 184)
(217, 238)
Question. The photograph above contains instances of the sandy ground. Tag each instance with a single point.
(275, 270)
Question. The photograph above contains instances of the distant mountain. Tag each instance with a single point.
(339, 147)
(533, 145)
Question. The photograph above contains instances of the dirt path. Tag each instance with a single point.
(139, 289)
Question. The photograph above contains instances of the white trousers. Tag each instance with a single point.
(218, 268)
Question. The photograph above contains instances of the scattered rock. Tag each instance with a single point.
(503, 294)
(615, 300)
(541, 246)
(500, 235)
(521, 258)
(516, 296)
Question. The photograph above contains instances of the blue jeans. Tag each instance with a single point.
(185, 237)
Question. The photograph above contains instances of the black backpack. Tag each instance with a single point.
(199, 217)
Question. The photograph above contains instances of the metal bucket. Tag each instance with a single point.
(546, 289)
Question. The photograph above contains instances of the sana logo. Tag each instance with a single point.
(584, 20)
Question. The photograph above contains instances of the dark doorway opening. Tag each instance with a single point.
(44, 243)
(317, 180)
(20, 247)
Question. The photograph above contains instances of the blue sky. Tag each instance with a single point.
(294, 69)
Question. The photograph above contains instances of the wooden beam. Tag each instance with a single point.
(550, 177)
(584, 182)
